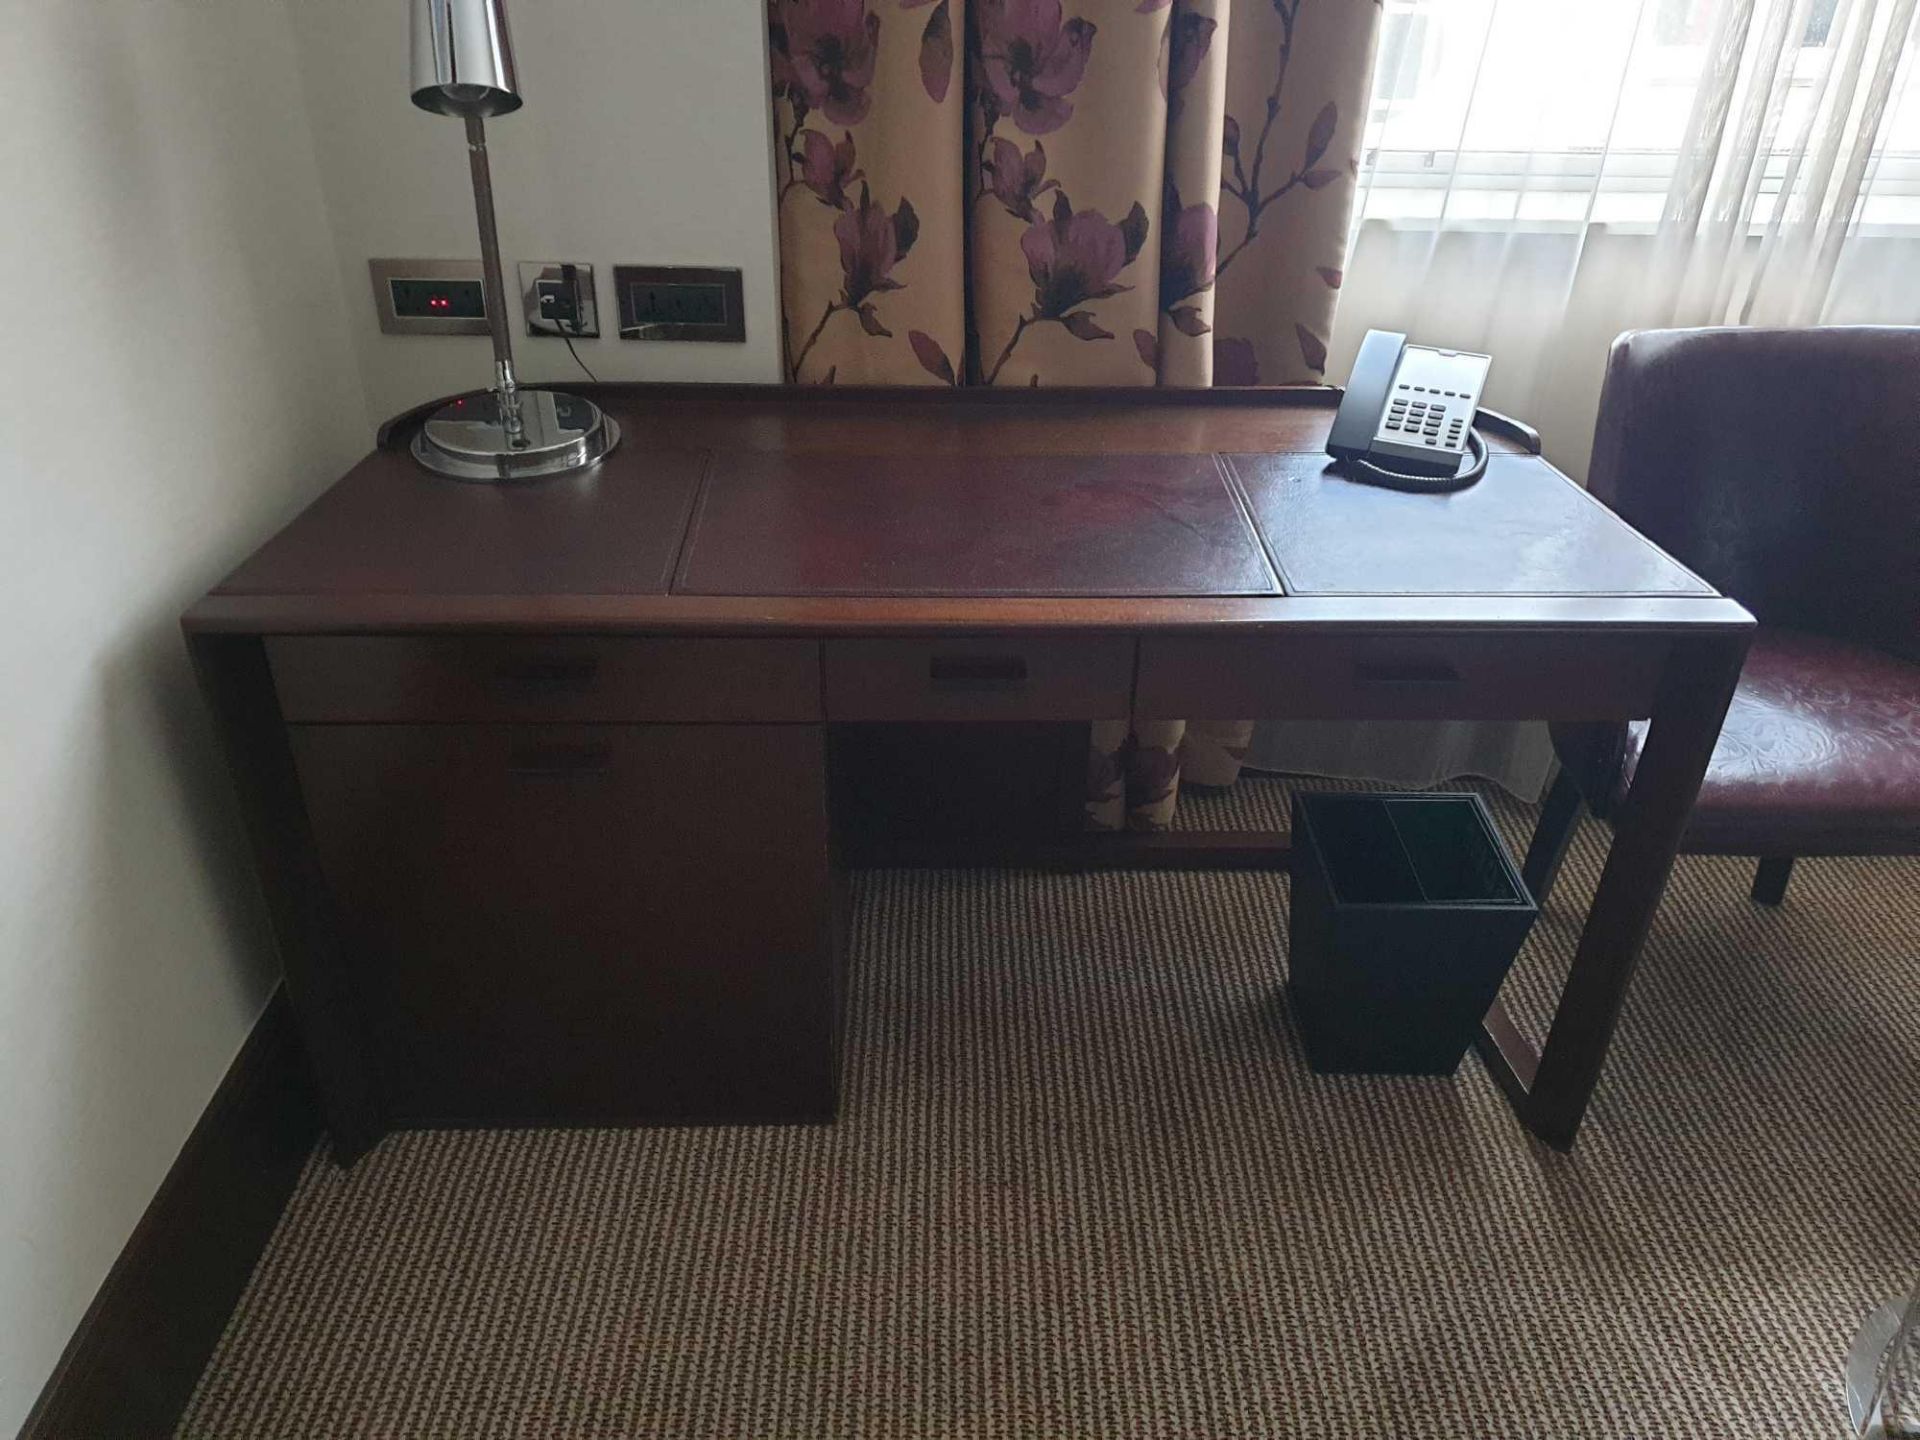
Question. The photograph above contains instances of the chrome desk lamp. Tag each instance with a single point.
(463, 65)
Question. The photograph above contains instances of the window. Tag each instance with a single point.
(1555, 114)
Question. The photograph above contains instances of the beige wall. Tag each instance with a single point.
(177, 379)
(644, 140)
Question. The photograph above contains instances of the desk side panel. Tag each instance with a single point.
(238, 688)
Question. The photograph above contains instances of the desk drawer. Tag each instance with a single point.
(1377, 675)
(565, 923)
(538, 678)
(980, 678)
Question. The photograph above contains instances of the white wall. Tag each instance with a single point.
(177, 379)
(645, 139)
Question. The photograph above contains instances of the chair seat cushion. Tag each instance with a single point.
(1820, 753)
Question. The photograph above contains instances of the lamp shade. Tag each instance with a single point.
(463, 58)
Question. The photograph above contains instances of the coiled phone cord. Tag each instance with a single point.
(1372, 472)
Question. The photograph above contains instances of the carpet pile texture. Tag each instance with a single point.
(1085, 1185)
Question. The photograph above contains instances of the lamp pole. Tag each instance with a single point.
(505, 388)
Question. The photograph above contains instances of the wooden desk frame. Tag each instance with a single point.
(1701, 640)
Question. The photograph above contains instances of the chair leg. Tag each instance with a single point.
(1770, 880)
(1559, 817)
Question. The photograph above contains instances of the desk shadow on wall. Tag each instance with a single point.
(158, 848)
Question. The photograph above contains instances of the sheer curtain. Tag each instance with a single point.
(1540, 175)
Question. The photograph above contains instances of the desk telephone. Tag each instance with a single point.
(1406, 419)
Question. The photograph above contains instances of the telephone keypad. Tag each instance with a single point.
(1429, 422)
(1423, 421)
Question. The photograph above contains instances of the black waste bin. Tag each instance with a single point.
(1406, 912)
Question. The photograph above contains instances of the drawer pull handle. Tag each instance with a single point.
(1406, 672)
(551, 674)
(560, 762)
(977, 672)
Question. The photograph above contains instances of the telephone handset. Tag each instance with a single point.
(1406, 419)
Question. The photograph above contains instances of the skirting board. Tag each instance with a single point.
(130, 1367)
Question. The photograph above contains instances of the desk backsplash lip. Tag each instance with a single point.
(877, 421)
(626, 399)
(826, 617)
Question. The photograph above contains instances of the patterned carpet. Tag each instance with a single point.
(1085, 1186)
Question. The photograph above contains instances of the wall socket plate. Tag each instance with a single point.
(429, 297)
(543, 299)
(679, 302)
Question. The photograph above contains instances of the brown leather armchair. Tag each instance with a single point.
(1784, 467)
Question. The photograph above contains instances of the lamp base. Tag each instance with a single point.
(560, 433)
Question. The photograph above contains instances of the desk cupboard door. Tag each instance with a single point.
(594, 923)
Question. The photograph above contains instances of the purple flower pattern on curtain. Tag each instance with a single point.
(1028, 64)
(1074, 258)
(1031, 60)
(1253, 186)
(823, 55)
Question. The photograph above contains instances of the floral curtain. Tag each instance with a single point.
(1096, 192)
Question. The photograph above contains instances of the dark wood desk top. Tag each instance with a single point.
(758, 509)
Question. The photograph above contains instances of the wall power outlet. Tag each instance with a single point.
(429, 297)
(558, 299)
(679, 302)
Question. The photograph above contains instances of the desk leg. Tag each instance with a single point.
(238, 687)
(1551, 1093)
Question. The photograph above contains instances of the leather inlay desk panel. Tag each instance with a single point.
(390, 527)
(1525, 529)
(945, 524)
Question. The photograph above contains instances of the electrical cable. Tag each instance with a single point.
(1372, 472)
(576, 354)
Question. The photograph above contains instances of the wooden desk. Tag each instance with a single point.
(536, 777)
